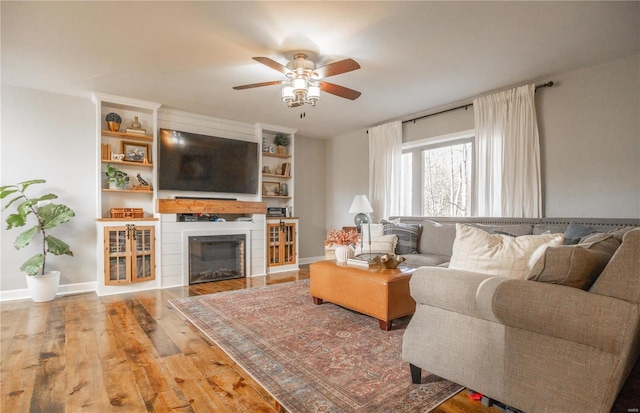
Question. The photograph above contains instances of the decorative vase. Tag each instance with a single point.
(43, 288)
(344, 252)
(113, 126)
(136, 124)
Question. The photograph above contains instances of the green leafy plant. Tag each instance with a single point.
(117, 176)
(281, 140)
(48, 216)
(113, 117)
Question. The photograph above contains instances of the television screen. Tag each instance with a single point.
(193, 162)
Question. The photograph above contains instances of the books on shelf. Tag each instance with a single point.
(106, 151)
(135, 131)
(286, 169)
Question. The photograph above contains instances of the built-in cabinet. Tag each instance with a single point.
(129, 254)
(282, 244)
(125, 216)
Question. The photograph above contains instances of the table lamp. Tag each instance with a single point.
(362, 207)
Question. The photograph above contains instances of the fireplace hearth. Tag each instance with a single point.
(216, 257)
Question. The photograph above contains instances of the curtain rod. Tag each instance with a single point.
(548, 84)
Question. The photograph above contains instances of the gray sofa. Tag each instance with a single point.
(536, 346)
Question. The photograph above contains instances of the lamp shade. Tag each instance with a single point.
(360, 204)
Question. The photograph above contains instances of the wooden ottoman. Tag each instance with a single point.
(374, 291)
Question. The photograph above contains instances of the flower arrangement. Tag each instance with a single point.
(342, 237)
(281, 140)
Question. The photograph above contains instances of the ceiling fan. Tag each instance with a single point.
(303, 83)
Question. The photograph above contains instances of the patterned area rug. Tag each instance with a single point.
(314, 358)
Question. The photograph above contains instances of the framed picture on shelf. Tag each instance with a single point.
(136, 152)
(270, 188)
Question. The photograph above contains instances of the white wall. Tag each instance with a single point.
(310, 190)
(50, 136)
(590, 146)
(590, 141)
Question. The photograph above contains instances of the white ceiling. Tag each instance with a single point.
(415, 56)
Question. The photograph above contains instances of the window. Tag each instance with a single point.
(437, 176)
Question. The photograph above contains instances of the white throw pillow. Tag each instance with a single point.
(377, 230)
(501, 255)
(383, 244)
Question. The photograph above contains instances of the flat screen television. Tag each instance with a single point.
(192, 162)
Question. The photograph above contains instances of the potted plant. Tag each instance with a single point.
(339, 244)
(282, 141)
(43, 286)
(113, 121)
(116, 177)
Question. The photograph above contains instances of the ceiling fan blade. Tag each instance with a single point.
(252, 85)
(343, 92)
(273, 64)
(336, 68)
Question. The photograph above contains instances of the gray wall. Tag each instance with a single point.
(50, 136)
(590, 145)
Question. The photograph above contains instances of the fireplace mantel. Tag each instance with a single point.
(204, 206)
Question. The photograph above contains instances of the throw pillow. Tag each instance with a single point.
(501, 255)
(575, 266)
(376, 231)
(383, 244)
(408, 235)
(575, 232)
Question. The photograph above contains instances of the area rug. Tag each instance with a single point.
(314, 358)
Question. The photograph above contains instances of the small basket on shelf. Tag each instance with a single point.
(124, 213)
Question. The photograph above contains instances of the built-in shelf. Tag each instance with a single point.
(146, 165)
(133, 136)
(277, 176)
(276, 196)
(135, 191)
(276, 155)
(125, 219)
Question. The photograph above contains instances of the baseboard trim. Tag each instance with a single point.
(311, 260)
(66, 289)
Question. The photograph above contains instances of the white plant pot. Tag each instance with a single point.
(43, 287)
(344, 252)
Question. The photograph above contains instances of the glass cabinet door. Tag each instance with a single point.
(142, 254)
(129, 254)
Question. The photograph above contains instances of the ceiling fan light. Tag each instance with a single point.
(299, 84)
(313, 93)
(287, 93)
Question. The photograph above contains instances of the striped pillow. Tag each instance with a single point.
(408, 236)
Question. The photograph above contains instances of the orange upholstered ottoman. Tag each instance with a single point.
(374, 291)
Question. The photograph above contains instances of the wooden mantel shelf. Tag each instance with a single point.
(203, 206)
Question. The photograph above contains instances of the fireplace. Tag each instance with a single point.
(216, 257)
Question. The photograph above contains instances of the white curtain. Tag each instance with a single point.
(507, 155)
(385, 157)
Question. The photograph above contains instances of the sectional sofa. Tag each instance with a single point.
(540, 344)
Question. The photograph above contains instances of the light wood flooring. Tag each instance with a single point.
(132, 353)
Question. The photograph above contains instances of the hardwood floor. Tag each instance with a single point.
(131, 353)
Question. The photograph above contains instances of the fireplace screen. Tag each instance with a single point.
(216, 257)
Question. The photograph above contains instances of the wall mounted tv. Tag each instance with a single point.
(193, 162)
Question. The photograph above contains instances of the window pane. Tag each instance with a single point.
(405, 188)
(447, 181)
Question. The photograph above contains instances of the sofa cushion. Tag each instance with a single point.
(501, 255)
(408, 235)
(515, 230)
(437, 238)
